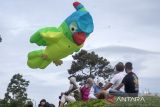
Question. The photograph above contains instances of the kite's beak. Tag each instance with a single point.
(79, 38)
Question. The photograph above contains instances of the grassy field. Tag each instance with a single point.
(150, 101)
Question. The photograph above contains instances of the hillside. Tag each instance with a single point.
(149, 101)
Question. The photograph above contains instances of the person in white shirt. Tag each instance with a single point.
(116, 80)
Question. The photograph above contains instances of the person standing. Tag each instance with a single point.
(130, 81)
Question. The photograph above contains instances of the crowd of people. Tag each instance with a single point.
(123, 83)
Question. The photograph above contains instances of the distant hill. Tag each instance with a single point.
(123, 49)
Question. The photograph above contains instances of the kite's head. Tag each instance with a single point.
(78, 25)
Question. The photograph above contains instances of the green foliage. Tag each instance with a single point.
(88, 64)
(16, 91)
(91, 103)
(13, 104)
(150, 101)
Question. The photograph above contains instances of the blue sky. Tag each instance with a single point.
(129, 23)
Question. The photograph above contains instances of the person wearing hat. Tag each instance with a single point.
(130, 82)
(72, 94)
(96, 90)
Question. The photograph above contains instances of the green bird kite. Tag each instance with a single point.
(60, 42)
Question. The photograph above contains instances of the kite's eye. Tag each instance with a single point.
(73, 27)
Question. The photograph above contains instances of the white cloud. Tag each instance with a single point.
(151, 67)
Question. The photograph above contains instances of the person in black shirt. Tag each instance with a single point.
(130, 81)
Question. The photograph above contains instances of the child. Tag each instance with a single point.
(85, 90)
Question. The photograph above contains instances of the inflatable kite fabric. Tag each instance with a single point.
(60, 42)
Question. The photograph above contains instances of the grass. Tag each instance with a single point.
(150, 101)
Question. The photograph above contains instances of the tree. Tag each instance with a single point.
(88, 64)
(16, 91)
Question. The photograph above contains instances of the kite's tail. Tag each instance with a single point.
(36, 60)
